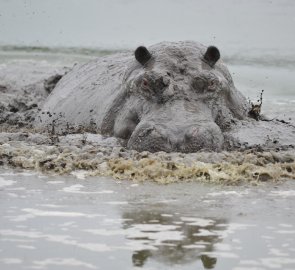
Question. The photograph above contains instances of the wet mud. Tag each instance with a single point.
(24, 85)
(93, 155)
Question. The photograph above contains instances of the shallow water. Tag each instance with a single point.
(99, 223)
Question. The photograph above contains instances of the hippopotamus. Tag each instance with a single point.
(172, 96)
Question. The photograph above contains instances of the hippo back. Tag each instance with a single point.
(82, 97)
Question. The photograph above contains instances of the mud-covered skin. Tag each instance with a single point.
(23, 89)
(171, 97)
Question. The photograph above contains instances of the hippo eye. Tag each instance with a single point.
(207, 82)
(212, 84)
(199, 84)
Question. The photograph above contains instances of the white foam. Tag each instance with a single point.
(154, 234)
(167, 215)
(248, 268)
(117, 203)
(26, 247)
(12, 195)
(113, 221)
(73, 188)
(134, 185)
(77, 189)
(21, 218)
(286, 225)
(70, 262)
(228, 193)
(277, 252)
(105, 232)
(194, 246)
(42, 213)
(286, 232)
(16, 189)
(230, 229)
(68, 224)
(18, 173)
(62, 239)
(154, 221)
(249, 262)
(80, 174)
(16, 240)
(11, 260)
(155, 238)
(154, 227)
(4, 182)
(283, 193)
(51, 205)
(221, 254)
(222, 247)
(138, 245)
(56, 182)
(278, 262)
(201, 222)
(267, 237)
(203, 232)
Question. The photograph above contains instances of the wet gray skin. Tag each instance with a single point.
(176, 96)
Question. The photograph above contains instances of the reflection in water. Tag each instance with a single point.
(172, 239)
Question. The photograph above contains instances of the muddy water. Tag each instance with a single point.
(99, 223)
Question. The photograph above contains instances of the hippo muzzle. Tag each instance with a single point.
(174, 128)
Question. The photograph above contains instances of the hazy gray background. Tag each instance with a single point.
(231, 24)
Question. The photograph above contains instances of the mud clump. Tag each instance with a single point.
(23, 89)
(255, 111)
(18, 111)
(51, 82)
(98, 156)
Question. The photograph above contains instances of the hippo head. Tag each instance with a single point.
(179, 97)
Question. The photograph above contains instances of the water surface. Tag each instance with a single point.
(100, 223)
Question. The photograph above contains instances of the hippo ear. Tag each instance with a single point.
(212, 55)
(142, 55)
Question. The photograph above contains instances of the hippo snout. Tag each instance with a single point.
(154, 138)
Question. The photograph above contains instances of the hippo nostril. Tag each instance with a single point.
(150, 138)
(197, 137)
(145, 132)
